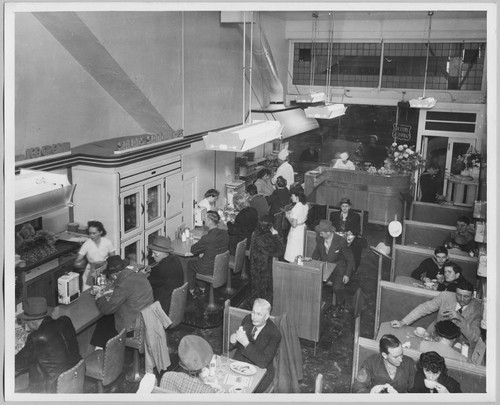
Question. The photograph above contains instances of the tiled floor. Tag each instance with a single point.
(334, 350)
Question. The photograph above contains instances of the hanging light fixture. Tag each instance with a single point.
(312, 97)
(329, 110)
(423, 102)
(249, 134)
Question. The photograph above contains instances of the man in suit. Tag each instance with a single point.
(257, 340)
(333, 248)
(166, 274)
(349, 223)
(458, 307)
(210, 245)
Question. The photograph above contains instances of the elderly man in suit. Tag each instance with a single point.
(458, 307)
(210, 245)
(257, 340)
(333, 248)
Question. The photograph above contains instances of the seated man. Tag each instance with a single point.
(131, 294)
(430, 268)
(462, 238)
(50, 349)
(447, 332)
(166, 274)
(389, 371)
(459, 307)
(452, 275)
(333, 248)
(210, 245)
(431, 367)
(195, 354)
(257, 340)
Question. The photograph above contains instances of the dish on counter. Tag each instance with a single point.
(242, 368)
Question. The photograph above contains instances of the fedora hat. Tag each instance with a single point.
(161, 244)
(383, 249)
(395, 228)
(34, 308)
(115, 264)
(194, 353)
(324, 226)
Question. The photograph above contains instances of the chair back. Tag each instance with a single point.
(220, 269)
(178, 305)
(137, 341)
(239, 256)
(114, 356)
(309, 243)
(318, 385)
(71, 381)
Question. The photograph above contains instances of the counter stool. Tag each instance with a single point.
(71, 381)
(218, 278)
(106, 365)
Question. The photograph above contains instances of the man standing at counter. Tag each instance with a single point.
(50, 349)
(285, 169)
(131, 294)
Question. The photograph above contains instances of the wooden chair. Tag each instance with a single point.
(71, 381)
(106, 365)
(218, 278)
(237, 263)
(318, 385)
(178, 305)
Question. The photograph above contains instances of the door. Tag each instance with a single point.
(154, 202)
(443, 151)
(133, 249)
(189, 187)
(132, 211)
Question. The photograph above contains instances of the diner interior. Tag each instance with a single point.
(130, 116)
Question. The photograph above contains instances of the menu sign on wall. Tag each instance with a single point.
(402, 132)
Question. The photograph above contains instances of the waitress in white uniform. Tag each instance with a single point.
(96, 249)
(297, 217)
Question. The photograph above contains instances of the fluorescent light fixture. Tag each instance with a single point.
(326, 112)
(243, 137)
(310, 98)
(293, 119)
(426, 103)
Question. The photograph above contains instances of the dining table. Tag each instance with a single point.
(405, 334)
(411, 282)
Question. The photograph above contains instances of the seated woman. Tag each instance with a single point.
(432, 377)
(266, 244)
(297, 217)
(349, 222)
(452, 274)
(244, 222)
(430, 268)
(344, 162)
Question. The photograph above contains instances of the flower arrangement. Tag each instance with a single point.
(403, 159)
(470, 159)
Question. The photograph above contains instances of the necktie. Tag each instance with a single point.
(460, 310)
(254, 331)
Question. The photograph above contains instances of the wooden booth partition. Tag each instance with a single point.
(425, 234)
(297, 292)
(380, 195)
(437, 213)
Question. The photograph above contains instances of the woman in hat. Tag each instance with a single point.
(432, 376)
(195, 354)
(349, 223)
(297, 217)
(266, 244)
(166, 274)
(95, 250)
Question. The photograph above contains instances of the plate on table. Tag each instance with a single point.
(242, 368)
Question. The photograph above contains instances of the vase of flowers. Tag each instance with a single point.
(403, 159)
(470, 163)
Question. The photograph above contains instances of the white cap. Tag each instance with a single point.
(283, 154)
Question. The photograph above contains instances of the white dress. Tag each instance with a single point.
(295, 241)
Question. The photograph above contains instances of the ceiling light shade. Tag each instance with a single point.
(326, 111)
(317, 97)
(243, 137)
(428, 102)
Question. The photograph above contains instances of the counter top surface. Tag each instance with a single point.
(62, 247)
(83, 312)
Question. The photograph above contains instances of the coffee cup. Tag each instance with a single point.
(419, 331)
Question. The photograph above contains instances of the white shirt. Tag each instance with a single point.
(286, 171)
(328, 243)
(95, 253)
(257, 331)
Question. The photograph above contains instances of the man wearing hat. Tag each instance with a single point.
(195, 354)
(166, 274)
(131, 294)
(447, 333)
(333, 248)
(285, 169)
(50, 349)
